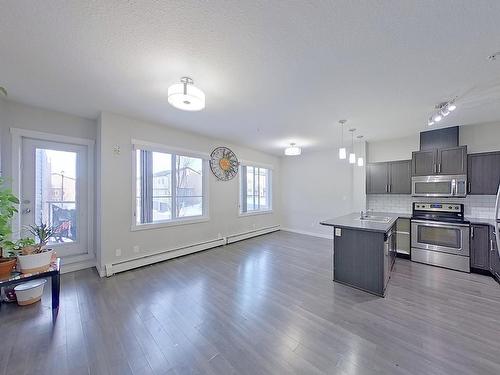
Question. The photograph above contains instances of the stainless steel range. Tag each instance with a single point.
(440, 235)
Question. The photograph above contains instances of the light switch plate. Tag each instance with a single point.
(338, 232)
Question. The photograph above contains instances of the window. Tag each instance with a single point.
(169, 187)
(255, 186)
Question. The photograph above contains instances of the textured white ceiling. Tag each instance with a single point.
(273, 72)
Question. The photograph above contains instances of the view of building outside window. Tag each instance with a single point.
(188, 194)
(189, 201)
(257, 180)
(55, 193)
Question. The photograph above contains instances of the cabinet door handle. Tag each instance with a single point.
(469, 187)
(472, 232)
(386, 188)
(439, 168)
(389, 188)
(435, 168)
(492, 248)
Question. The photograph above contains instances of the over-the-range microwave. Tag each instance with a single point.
(439, 186)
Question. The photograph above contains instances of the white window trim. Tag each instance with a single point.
(245, 163)
(155, 147)
(17, 135)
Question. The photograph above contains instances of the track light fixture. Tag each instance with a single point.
(443, 110)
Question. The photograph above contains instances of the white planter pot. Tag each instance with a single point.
(35, 262)
(29, 292)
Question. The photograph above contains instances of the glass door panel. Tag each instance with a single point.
(55, 192)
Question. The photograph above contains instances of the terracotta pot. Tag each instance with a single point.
(35, 262)
(6, 267)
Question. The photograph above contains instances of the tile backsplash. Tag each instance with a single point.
(478, 206)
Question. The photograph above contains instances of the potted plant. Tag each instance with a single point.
(35, 257)
(8, 207)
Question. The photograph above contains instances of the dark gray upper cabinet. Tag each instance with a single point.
(483, 173)
(445, 161)
(377, 178)
(400, 177)
(439, 138)
(389, 177)
(480, 246)
(424, 163)
(452, 160)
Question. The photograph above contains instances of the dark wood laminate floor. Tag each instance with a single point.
(262, 306)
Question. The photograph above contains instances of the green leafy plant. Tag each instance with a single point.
(17, 247)
(8, 207)
(42, 232)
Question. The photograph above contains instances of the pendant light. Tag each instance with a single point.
(186, 96)
(342, 149)
(361, 161)
(352, 155)
(293, 150)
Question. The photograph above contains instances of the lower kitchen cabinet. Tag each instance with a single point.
(403, 237)
(480, 247)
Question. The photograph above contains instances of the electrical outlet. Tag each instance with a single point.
(136, 249)
(118, 252)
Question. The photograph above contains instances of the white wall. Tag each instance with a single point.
(16, 115)
(478, 138)
(114, 197)
(316, 186)
(393, 149)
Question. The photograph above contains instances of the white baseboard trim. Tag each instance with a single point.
(160, 256)
(330, 237)
(113, 268)
(252, 233)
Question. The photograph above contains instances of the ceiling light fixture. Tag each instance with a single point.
(342, 149)
(352, 155)
(293, 150)
(186, 96)
(361, 161)
(442, 110)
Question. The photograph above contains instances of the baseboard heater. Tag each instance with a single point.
(161, 256)
(252, 233)
(113, 268)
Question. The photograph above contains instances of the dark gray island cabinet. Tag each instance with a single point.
(364, 251)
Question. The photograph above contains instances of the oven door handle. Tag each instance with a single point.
(430, 223)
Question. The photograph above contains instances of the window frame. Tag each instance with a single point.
(270, 189)
(173, 151)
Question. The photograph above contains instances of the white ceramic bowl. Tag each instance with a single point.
(29, 292)
(35, 262)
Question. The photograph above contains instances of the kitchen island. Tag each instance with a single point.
(364, 250)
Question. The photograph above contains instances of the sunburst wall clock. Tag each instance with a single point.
(224, 163)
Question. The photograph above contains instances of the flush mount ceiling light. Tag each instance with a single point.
(342, 149)
(352, 155)
(443, 110)
(293, 150)
(186, 96)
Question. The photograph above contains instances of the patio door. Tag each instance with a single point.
(54, 191)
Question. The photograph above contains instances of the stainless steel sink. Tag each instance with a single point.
(375, 219)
